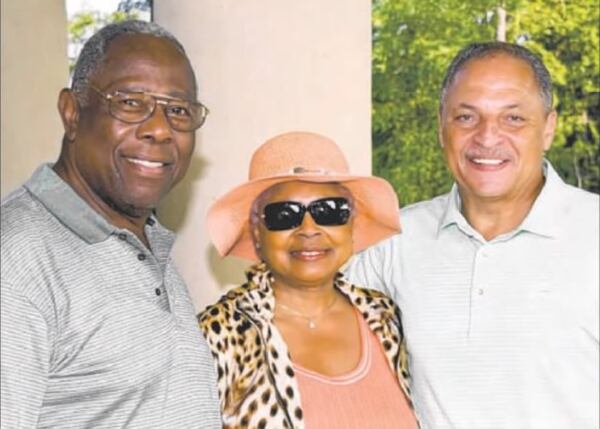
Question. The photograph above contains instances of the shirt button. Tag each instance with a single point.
(157, 291)
(122, 236)
(141, 257)
(480, 291)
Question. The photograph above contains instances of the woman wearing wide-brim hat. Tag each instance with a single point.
(297, 346)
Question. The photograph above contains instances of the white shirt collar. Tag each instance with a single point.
(543, 218)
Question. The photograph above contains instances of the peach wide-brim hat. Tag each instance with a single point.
(302, 157)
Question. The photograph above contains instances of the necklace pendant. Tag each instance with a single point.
(311, 324)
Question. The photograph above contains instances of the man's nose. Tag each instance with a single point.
(157, 127)
(487, 133)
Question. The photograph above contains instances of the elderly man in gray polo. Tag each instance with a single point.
(97, 327)
(497, 281)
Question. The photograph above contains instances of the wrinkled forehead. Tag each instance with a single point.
(495, 71)
(499, 80)
(146, 58)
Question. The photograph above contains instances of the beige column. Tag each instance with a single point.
(34, 69)
(264, 67)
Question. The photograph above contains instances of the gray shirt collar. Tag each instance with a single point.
(68, 207)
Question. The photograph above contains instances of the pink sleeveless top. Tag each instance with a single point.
(368, 397)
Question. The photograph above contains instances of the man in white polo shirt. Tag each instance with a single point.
(497, 280)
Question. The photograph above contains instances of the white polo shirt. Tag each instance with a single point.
(501, 333)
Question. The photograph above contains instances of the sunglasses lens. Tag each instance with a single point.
(330, 211)
(289, 214)
(282, 216)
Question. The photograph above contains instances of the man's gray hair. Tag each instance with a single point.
(94, 51)
(488, 49)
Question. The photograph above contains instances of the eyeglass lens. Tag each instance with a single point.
(280, 216)
(135, 107)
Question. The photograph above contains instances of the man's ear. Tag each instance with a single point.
(68, 107)
(439, 125)
(550, 129)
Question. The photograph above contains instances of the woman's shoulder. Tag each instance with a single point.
(360, 294)
(224, 312)
(230, 332)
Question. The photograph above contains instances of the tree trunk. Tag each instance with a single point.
(501, 28)
(577, 172)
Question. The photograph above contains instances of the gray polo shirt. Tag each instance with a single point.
(97, 330)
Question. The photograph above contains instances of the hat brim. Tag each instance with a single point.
(375, 215)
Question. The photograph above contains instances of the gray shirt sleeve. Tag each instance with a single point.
(23, 361)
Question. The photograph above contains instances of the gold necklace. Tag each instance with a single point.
(312, 320)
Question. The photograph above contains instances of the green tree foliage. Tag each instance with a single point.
(85, 23)
(414, 42)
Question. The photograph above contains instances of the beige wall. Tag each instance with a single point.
(34, 69)
(264, 67)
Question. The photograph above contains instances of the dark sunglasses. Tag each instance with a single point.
(284, 215)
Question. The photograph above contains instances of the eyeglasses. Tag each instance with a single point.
(285, 215)
(134, 107)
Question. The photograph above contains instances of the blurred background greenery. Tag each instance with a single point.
(85, 17)
(414, 42)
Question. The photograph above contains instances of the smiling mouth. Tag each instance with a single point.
(147, 163)
(490, 162)
(308, 255)
(487, 161)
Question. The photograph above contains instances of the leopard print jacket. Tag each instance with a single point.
(256, 381)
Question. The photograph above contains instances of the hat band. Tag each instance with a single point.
(317, 171)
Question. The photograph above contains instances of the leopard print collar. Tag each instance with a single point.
(258, 301)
